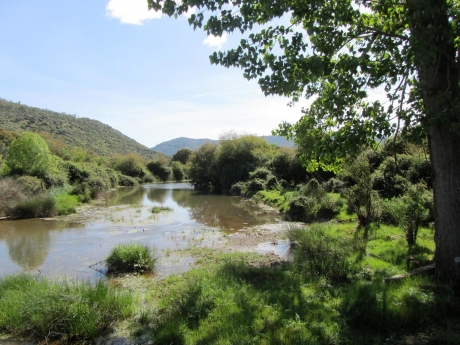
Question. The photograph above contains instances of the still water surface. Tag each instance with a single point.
(58, 248)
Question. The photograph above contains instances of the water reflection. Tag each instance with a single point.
(29, 240)
(60, 248)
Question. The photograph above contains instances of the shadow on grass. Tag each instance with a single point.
(237, 303)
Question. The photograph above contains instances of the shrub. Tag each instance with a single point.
(271, 182)
(361, 198)
(36, 206)
(10, 192)
(309, 208)
(334, 185)
(413, 211)
(66, 204)
(182, 155)
(131, 165)
(238, 189)
(177, 171)
(31, 185)
(126, 181)
(130, 257)
(261, 173)
(256, 185)
(159, 168)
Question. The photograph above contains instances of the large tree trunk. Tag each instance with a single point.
(445, 160)
(432, 39)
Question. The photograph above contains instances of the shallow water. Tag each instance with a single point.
(57, 248)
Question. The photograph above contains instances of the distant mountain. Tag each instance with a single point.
(91, 135)
(170, 147)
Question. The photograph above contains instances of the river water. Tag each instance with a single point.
(58, 248)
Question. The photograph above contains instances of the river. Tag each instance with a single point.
(76, 249)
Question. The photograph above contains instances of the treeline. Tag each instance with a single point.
(41, 176)
(389, 184)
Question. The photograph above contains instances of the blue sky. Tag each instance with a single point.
(145, 75)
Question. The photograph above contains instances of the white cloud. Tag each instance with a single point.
(130, 11)
(215, 41)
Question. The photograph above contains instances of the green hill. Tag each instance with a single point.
(170, 147)
(91, 135)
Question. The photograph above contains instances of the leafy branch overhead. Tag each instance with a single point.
(335, 51)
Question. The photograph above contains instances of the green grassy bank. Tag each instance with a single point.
(332, 292)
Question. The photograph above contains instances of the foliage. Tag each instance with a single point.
(74, 132)
(203, 171)
(238, 189)
(48, 310)
(130, 257)
(178, 171)
(11, 191)
(130, 165)
(361, 198)
(66, 204)
(31, 185)
(126, 181)
(237, 156)
(182, 155)
(159, 168)
(413, 211)
(285, 165)
(41, 205)
(29, 155)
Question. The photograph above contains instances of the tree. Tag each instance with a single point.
(29, 155)
(337, 50)
(182, 155)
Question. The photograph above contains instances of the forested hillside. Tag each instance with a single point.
(91, 135)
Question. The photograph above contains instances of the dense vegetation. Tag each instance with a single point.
(68, 130)
(41, 176)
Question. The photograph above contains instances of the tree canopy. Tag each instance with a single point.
(335, 52)
(29, 155)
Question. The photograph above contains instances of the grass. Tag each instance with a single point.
(46, 309)
(158, 209)
(130, 257)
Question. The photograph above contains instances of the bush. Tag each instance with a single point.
(126, 181)
(309, 208)
(238, 189)
(178, 171)
(31, 185)
(130, 257)
(66, 204)
(11, 191)
(334, 185)
(159, 168)
(261, 173)
(256, 185)
(36, 206)
(182, 155)
(131, 165)
(271, 182)
(360, 197)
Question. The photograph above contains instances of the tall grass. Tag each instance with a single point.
(130, 257)
(43, 308)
